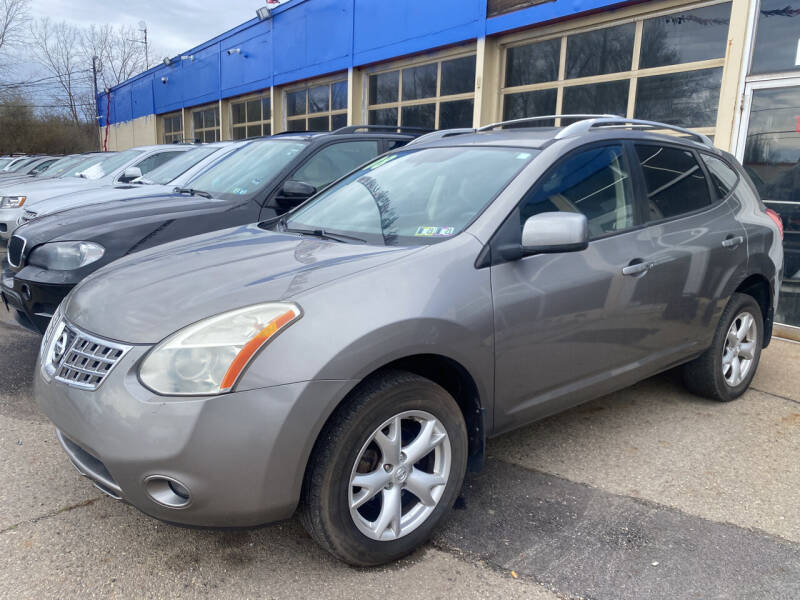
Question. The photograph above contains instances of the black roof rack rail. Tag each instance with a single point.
(502, 124)
(441, 134)
(623, 123)
(382, 128)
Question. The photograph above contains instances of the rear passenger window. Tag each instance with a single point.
(594, 182)
(675, 182)
(723, 178)
(334, 161)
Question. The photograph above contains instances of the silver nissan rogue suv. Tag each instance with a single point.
(352, 357)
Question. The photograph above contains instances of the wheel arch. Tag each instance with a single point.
(758, 287)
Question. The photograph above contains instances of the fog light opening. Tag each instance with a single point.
(167, 491)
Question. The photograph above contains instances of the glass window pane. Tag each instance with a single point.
(197, 119)
(420, 82)
(318, 124)
(383, 116)
(700, 34)
(338, 121)
(296, 125)
(675, 183)
(254, 110)
(607, 98)
(423, 115)
(339, 96)
(267, 129)
(608, 50)
(594, 182)
(530, 104)
(296, 103)
(253, 131)
(533, 63)
(336, 160)
(689, 99)
(319, 99)
(239, 133)
(776, 37)
(458, 76)
(238, 113)
(384, 88)
(723, 178)
(457, 113)
(266, 106)
(210, 136)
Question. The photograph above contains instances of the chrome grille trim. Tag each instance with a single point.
(87, 360)
(15, 250)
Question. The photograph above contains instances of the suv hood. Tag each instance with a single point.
(36, 191)
(149, 295)
(104, 194)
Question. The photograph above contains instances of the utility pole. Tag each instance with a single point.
(143, 29)
(96, 111)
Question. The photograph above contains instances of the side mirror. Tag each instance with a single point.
(294, 193)
(553, 232)
(130, 174)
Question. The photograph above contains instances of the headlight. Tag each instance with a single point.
(12, 201)
(209, 356)
(66, 256)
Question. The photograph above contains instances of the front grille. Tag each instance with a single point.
(28, 215)
(16, 246)
(79, 359)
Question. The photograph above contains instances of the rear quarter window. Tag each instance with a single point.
(723, 177)
(674, 181)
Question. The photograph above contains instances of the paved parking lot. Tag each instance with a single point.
(646, 493)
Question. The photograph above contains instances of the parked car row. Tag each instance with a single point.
(336, 322)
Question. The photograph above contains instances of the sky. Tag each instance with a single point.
(174, 26)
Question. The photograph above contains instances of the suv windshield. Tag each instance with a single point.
(247, 171)
(108, 164)
(62, 164)
(413, 197)
(178, 166)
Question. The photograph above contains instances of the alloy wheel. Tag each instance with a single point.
(740, 349)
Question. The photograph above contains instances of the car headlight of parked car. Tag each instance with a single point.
(12, 201)
(208, 357)
(66, 256)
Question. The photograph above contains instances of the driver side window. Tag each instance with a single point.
(595, 182)
(334, 161)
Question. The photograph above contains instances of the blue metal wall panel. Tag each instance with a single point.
(389, 29)
(142, 97)
(309, 38)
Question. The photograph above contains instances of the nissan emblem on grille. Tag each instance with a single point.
(81, 360)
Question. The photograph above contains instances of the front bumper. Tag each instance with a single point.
(34, 303)
(242, 456)
(9, 218)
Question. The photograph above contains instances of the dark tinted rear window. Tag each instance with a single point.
(723, 177)
(675, 182)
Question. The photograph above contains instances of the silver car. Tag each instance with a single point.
(351, 358)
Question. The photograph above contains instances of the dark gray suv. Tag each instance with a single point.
(352, 356)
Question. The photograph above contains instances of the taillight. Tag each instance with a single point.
(778, 221)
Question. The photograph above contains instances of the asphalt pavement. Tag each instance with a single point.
(646, 493)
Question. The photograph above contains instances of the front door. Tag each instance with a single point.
(571, 326)
(769, 148)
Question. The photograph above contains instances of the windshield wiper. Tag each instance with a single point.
(321, 233)
(192, 192)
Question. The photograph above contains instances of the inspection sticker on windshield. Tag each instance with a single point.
(425, 231)
(381, 161)
(523, 155)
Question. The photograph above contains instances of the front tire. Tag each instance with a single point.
(726, 369)
(386, 470)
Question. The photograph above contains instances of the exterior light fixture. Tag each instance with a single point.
(164, 80)
(189, 57)
(234, 51)
(167, 61)
(263, 13)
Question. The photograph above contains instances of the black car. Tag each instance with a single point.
(47, 257)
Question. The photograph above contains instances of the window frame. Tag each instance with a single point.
(633, 75)
(202, 130)
(246, 124)
(437, 100)
(172, 133)
(308, 85)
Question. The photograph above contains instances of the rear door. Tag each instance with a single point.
(571, 326)
(698, 246)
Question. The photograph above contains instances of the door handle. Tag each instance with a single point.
(638, 268)
(732, 242)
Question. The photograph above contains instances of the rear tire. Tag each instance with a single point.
(371, 440)
(725, 370)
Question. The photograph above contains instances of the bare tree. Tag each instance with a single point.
(58, 48)
(120, 53)
(13, 18)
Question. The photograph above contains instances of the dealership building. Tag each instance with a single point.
(729, 69)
